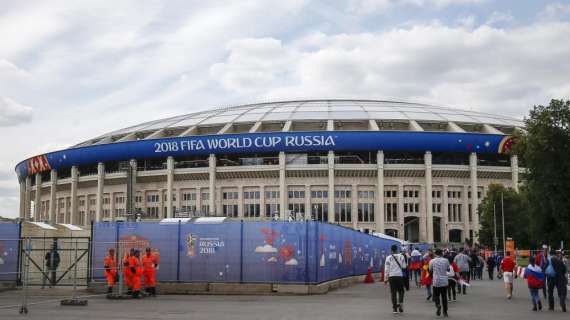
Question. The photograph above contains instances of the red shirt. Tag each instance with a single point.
(508, 264)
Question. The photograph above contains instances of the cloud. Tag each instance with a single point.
(265, 249)
(13, 113)
(555, 11)
(292, 262)
(497, 18)
(487, 68)
(380, 6)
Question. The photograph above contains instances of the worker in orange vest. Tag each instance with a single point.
(150, 263)
(110, 269)
(136, 273)
(127, 277)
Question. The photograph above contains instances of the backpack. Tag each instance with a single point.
(550, 272)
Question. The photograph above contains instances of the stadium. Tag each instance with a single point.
(409, 170)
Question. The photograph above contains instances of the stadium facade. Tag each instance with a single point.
(413, 171)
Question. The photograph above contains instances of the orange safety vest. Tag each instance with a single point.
(110, 264)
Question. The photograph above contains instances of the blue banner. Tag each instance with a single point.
(248, 252)
(268, 142)
(9, 239)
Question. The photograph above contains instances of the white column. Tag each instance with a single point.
(22, 199)
(331, 187)
(402, 227)
(161, 203)
(428, 196)
(100, 185)
(379, 211)
(515, 172)
(422, 215)
(112, 214)
(38, 197)
(74, 179)
(445, 217)
(240, 202)
(178, 203)
(28, 198)
(199, 200)
(307, 202)
(282, 186)
(169, 182)
(212, 184)
(262, 213)
(354, 205)
(52, 197)
(474, 197)
(465, 212)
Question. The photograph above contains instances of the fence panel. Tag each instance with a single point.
(275, 252)
(210, 252)
(9, 240)
(253, 252)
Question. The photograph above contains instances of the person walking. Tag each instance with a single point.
(535, 280)
(541, 260)
(426, 275)
(416, 265)
(394, 275)
(136, 273)
(149, 264)
(508, 266)
(110, 266)
(480, 266)
(556, 278)
(452, 276)
(127, 275)
(491, 266)
(52, 262)
(438, 268)
(463, 263)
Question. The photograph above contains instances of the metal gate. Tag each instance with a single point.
(52, 260)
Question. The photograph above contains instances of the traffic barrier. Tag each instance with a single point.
(369, 278)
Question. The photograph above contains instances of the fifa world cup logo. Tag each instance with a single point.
(191, 240)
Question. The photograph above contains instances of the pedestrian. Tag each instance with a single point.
(416, 265)
(508, 266)
(394, 275)
(452, 277)
(127, 275)
(491, 266)
(480, 266)
(426, 275)
(556, 278)
(150, 263)
(407, 273)
(52, 262)
(473, 265)
(136, 273)
(541, 260)
(463, 263)
(110, 266)
(535, 279)
(438, 268)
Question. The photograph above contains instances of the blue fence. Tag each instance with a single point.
(249, 252)
(9, 245)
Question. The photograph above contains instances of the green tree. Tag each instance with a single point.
(544, 150)
(516, 217)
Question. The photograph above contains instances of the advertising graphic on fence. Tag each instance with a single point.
(9, 235)
(249, 252)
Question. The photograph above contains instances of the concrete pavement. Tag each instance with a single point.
(484, 301)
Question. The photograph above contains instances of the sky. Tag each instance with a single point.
(73, 70)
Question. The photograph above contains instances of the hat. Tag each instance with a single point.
(544, 246)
